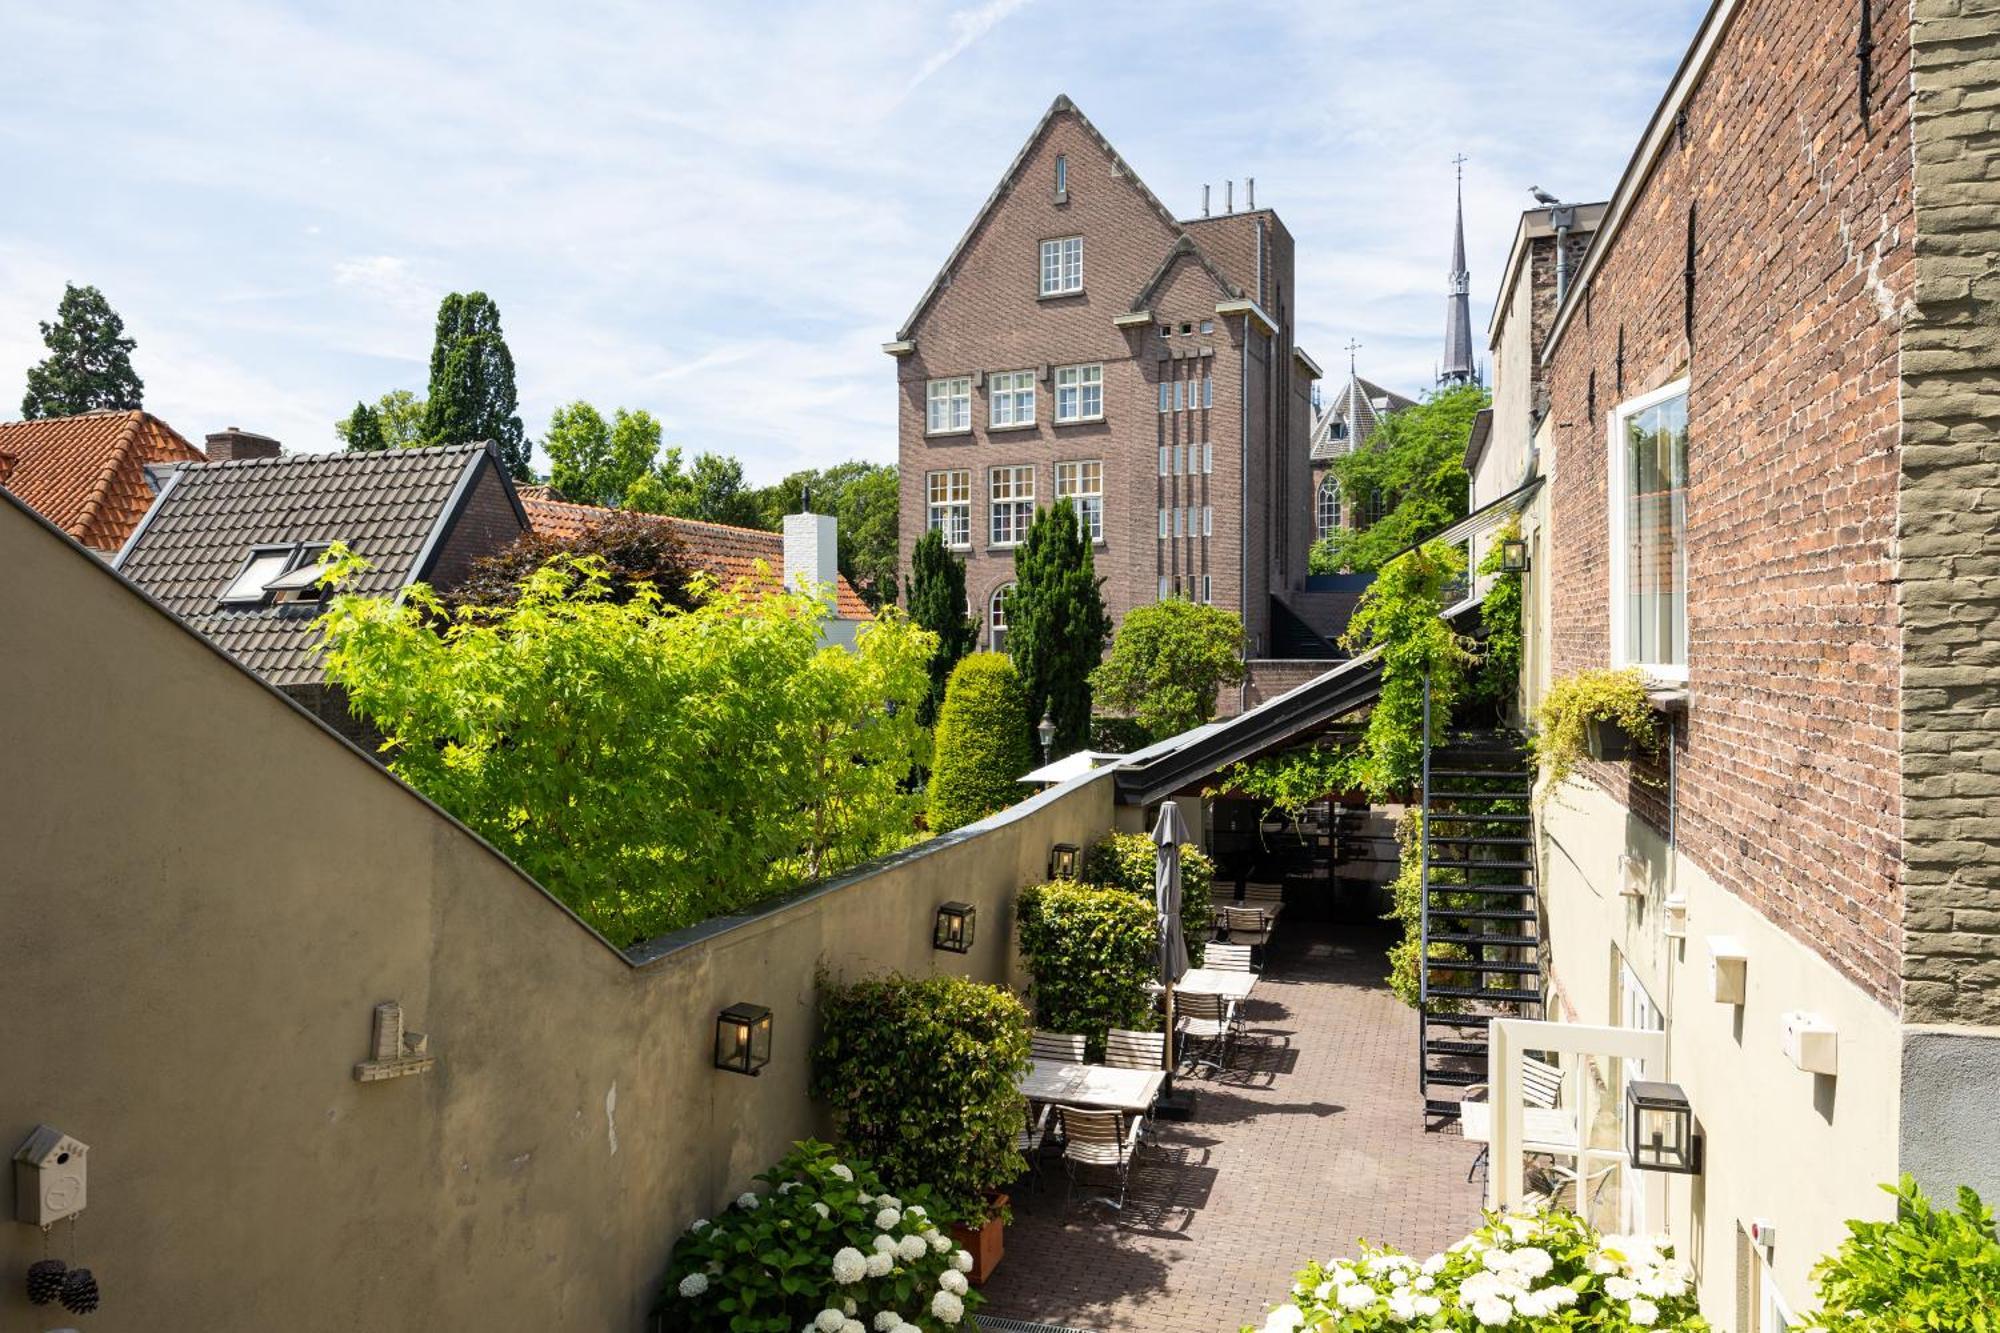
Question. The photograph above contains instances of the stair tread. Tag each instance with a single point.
(1486, 941)
(1483, 993)
(1482, 840)
(1486, 890)
(1456, 864)
(1441, 1046)
(1480, 795)
(1510, 966)
(1482, 913)
(1437, 772)
(1455, 1078)
(1439, 1109)
(1469, 817)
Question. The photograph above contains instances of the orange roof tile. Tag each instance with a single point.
(730, 554)
(86, 473)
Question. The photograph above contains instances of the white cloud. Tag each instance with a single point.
(967, 27)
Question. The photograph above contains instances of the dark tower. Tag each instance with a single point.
(1458, 367)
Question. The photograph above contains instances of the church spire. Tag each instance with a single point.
(1458, 365)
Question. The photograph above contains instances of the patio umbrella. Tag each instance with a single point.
(1168, 834)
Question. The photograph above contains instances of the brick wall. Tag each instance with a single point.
(1950, 527)
(1787, 786)
(488, 523)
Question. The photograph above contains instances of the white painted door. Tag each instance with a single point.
(1635, 1010)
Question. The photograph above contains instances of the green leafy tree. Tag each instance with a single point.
(937, 604)
(1057, 624)
(1167, 663)
(1090, 950)
(472, 395)
(661, 488)
(716, 493)
(362, 430)
(652, 767)
(89, 365)
(982, 747)
(1128, 860)
(1931, 1268)
(1413, 464)
(398, 413)
(598, 462)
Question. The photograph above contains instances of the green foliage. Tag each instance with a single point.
(637, 550)
(865, 500)
(1406, 893)
(1572, 703)
(592, 461)
(1057, 624)
(1928, 1269)
(775, 1260)
(1117, 735)
(89, 365)
(922, 1075)
(1167, 663)
(1499, 676)
(651, 766)
(398, 423)
(716, 493)
(981, 749)
(1521, 1270)
(1416, 460)
(1090, 949)
(362, 429)
(472, 394)
(937, 603)
(1127, 860)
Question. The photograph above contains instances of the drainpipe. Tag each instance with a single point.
(1564, 217)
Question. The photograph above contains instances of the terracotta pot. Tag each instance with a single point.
(984, 1245)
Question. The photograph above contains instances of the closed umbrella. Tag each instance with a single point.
(1168, 834)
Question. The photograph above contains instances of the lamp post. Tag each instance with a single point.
(1047, 731)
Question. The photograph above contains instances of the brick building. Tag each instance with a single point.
(1083, 341)
(1765, 412)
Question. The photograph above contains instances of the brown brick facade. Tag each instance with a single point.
(1786, 790)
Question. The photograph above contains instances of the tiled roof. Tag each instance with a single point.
(730, 554)
(1354, 407)
(86, 474)
(386, 506)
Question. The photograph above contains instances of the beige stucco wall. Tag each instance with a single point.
(1799, 1150)
(206, 892)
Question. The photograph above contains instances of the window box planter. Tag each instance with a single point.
(984, 1243)
(1607, 741)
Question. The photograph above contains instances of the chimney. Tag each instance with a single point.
(1229, 196)
(1204, 201)
(226, 446)
(1250, 193)
(811, 551)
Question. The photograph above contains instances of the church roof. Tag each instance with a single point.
(1352, 417)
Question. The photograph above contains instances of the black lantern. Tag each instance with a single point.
(1513, 556)
(1062, 860)
(1659, 1129)
(955, 922)
(743, 1039)
(1046, 729)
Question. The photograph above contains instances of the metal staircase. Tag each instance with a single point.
(1481, 948)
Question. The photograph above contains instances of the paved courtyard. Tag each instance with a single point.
(1311, 1140)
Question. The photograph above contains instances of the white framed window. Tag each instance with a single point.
(996, 618)
(949, 497)
(1166, 524)
(949, 405)
(1208, 520)
(1208, 456)
(1166, 397)
(1011, 504)
(1773, 1315)
(1180, 520)
(1179, 388)
(1062, 174)
(1208, 391)
(1166, 459)
(1326, 515)
(1207, 591)
(1647, 449)
(1208, 326)
(1083, 483)
(1079, 393)
(1062, 266)
(1010, 398)
(1166, 586)
(1180, 459)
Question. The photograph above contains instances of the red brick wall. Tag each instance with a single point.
(487, 524)
(1788, 766)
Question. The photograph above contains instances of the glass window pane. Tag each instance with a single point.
(1656, 528)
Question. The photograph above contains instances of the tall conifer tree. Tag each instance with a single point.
(472, 394)
(89, 365)
(1056, 624)
(937, 603)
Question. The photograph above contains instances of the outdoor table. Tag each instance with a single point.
(1215, 981)
(1543, 1129)
(1097, 1087)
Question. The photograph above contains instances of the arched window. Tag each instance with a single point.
(1329, 504)
(996, 619)
(1376, 509)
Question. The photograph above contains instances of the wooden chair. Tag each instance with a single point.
(1064, 1046)
(1126, 1049)
(1541, 1088)
(1228, 958)
(1269, 896)
(1205, 1018)
(1246, 925)
(1098, 1141)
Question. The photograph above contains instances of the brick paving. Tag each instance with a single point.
(1312, 1139)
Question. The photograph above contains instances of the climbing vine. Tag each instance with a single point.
(1500, 616)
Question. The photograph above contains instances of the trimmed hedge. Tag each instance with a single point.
(1091, 949)
(923, 1075)
(981, 748)
(1126, 860)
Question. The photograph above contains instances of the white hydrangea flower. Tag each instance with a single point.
(939, 1242)
(1560, 1296)
(1497, 1260)
(698, 1224)
(864, 1198)
(1428, 1306)
(1534, 1304)
(822, 1209)
(1283, 1319)
(887, 1320)
(1533, 1262)
(1521, 1229)
(787, 1186)
(887, 1219)
(1424, 1282)
(1644, 1313)
(1478, 1287)
(879, 1264)
(916, 1210)
(953, 1281)
(911, 1248)
(1402, 1307)
(693, 1285)
(885, 1244)
(962, 1260)
(829, 1321)
(853, 1326)
(842, 1170)
(747, 1201)
(1620, 1288)
(889, 1201)
(849, 1265)
(1357, 1297)
(1435, 1264)
(947, 1307)
(1323, 1292)
(850, 1309)
(1492, 1311)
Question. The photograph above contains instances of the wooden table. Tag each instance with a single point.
(1551, 1129)
(1098, 1087)
(1216, 981)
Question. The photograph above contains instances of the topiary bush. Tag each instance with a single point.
(1126, 861)
(981, 748)
(825, 1247)
(1929, 1269)
(1090, 949)
(922, 1074)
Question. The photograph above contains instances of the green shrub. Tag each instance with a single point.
(1928, 1269)
(1126, 860)
(1091, 949)
(981, 748)
(1168, 662)
(813, 1243)
(1596, 694)
(1116, 735)
(922, 1074)
(1498, 677)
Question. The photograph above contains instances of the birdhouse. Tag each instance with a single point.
(48, 1177)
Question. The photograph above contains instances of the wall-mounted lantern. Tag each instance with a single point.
(1063, 858)
(1659, 1127)
(955, 922)
(1514, 555)
(743, 1039)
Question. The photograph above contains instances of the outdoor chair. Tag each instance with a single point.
(1541, 1088)
(1098, 1141)
(1126, 1049)
(1228, 958)
(1031, 1138)
(1210, 1019)
(1246, 925)
(1264, 895)
(1064, 1046)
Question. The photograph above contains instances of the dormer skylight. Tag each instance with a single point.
(278, 575)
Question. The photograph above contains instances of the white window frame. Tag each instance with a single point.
(1166, 396)
(1062, 266)
(1617, 481)
(1326, 496)
(1070, 479)
(1180, 521)
(1017, 507)
(1180, 392)
(1207, 591)
(1772, 1313)
(1166, 459)
(1080, 382)
(1180, 460)
(1010, 399)
(996, 618)
(1208, 391)
(1166, 587)
(948, 497)
(954, 392)
(1208, 456)
(1208, 520)
(1166, 523)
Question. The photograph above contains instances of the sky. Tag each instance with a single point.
(719, 212)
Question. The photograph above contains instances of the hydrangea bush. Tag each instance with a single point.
(1522, 1270)
(824, 1248)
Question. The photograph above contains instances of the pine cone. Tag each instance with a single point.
(45, 1280)
(79, 1291)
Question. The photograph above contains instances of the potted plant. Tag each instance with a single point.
(923, 1077)
(1597, 713)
